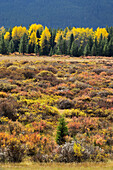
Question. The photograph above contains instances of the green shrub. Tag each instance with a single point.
(62, 131)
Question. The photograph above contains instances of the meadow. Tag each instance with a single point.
(58, 166)
(36, 91)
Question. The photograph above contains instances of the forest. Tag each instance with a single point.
(47, 41)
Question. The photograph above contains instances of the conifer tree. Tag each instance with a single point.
(80, 51)
(38, 38)
(106, 50)
(93, 50)
(110, 48)
(38, 34)
(74, 49)
(53, 38)
(96, 42)
(64, 47)
(51, 52)
(28, 48)
(60, 45)
(100, 45)
(70, 43)
(62, 131)
(3, 48)
(11, 48)
(36, 49)
(90, 43)
(10, 31)
(45, 49)
(58, 51)
(23, 44)
(87, 50)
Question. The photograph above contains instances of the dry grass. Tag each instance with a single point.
(53, 58)
(57, 166)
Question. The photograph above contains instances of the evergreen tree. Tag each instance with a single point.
(23, 44)
(62, 131)
(36, 49)
(51, 52)
(87, 50)
(58, 51)
(96, 42)
(16, 45)
(80, 51)
(38, 39)
(74, 49)
(105, 48)
(30, 48)
(60, 45)
(3, 47)
(11, 48)
(64, 47)
(54, 50)
(70, 43)
(96, 47)
(10, 31)
(45, 50)
(39, 52)
(7, 45)
(110, 48)
(93, 50)
(100, 46)
(53, 35)
(38, 34)
(90, 43)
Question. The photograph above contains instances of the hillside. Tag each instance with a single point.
(58, 13)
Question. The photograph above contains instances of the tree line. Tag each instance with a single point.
(47, 41)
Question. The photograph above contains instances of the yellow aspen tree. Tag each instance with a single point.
(45, 41)
(58, 35)
(33, 38)
(18, 32)
(34, 28)
(101, 31)
(81, 35)
(7, 36)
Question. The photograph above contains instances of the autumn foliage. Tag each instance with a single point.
(34, 95)
(47, 41)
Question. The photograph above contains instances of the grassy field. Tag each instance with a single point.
(66, 69)
(58, 166)
(53, 58)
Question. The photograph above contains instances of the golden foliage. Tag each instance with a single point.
(59, 33)
(18, 32)
(34, 28)
(101, 31)
(45, 34)
(7, 36)
(33, 38)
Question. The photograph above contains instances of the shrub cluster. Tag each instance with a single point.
(33, 97)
